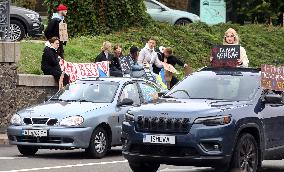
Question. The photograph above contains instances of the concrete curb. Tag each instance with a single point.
(4, 139)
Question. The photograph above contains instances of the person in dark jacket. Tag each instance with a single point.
(160, 52)
(50, 63)
(172, 60)
(52, 29)
(117, 53)
(105, 55)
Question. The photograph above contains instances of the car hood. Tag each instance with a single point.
(188, 108)
(56, 109)
(16, 10)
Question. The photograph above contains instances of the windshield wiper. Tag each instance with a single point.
(181, 91)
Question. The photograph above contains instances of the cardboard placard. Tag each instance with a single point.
(170, 68)
(63, 33)
(225, 55)
(272, 77)
(125, 64)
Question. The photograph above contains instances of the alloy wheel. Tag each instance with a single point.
(100, 142)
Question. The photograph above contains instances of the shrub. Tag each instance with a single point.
(94, 17)
(29, 4)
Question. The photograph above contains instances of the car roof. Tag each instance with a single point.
(232, 70)
(112, 79)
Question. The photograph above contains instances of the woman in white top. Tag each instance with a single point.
(231, 38)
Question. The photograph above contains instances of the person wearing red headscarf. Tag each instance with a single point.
(52, 29)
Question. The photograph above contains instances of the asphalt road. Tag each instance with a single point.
(76, 160)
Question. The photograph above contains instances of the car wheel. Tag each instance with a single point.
(183, 22)
(27, 150)
(245, 157)
(17, 30)
(99, 143)
(143, 166)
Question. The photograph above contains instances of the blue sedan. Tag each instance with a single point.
(86, 114)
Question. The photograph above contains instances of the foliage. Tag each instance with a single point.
(29, 4)
(190, 43)
(94, 17)
(257, 11)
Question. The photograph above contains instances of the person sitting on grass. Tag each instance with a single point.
(50, 62)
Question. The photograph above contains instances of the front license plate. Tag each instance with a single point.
(35, 133)
(159, 139)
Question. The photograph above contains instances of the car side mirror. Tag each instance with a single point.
(125, 102)
(273, 99)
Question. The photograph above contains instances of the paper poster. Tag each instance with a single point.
(63, 33)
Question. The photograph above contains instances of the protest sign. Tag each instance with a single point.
(125, 64)
(272, 77)
(83, 70)
(63, 33)
(225, 55)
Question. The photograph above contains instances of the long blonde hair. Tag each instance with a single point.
(232, 31)
(106, 46)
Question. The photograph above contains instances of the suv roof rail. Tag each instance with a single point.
(233, 69)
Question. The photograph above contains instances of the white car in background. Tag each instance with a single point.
(162, 13)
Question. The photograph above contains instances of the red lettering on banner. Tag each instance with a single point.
(95, 70)
(82, 69)
(88, 69)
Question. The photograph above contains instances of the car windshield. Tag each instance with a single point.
(88, 92)
(216, 87)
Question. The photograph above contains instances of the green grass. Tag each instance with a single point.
(191, 43)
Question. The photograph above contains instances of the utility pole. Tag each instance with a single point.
(4, 20)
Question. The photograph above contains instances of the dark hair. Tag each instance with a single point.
(116, 47)
(153, 39)
(53, 39)
(169, 50)
(133, 50)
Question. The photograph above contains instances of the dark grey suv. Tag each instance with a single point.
(24, 22)
(220, 118)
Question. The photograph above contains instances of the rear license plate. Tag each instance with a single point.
(159, 139)
(35, 133)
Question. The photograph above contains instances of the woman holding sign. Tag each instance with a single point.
(169, 58)
(231, 38)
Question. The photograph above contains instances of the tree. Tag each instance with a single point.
(101, 16)
(260, 11)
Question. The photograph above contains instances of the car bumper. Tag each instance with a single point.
(196, 148)
(201, 161)
(58, 137)
(36, 29)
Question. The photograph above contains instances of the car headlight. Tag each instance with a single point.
(72, 121)
(128, 117)
(214, 121)
(33, 16)
(16, 120)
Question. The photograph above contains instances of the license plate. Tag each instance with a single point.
(35, 133)
(159, 139)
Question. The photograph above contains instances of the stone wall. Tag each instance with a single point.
(8, 80)
(21, 91)
(177, 4)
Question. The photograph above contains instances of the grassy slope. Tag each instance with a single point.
(192, 43)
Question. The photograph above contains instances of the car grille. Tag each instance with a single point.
(162, 124)
(40, 121)
(55, 140)
(161, 150)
